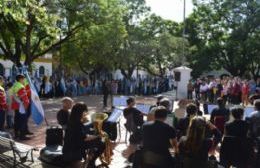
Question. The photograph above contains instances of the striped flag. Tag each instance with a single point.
(36, 106)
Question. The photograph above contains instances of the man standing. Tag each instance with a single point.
(134, 120)
(157, 138)
(190, 90)
(105, 91)
(20, 105)
(3, 104)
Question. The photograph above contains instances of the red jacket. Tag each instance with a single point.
(19, 92)
(27, 88)
(3, 103)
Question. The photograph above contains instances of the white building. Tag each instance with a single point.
(41, 66)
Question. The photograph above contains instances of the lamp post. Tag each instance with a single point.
(183, 32)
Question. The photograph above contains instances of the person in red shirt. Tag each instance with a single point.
(236, 93)
(245, 93)
(20, 104)
(3, 104)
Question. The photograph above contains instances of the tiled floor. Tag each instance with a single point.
(51, 106)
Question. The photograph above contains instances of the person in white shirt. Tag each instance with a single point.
(203, 91)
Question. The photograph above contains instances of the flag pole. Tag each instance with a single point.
(183, 32)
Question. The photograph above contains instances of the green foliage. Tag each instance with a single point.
(224, 33)
(91, 35)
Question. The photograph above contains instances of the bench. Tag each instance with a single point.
(20, 151)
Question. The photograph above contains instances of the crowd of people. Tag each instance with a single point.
(232, 90)
(191, 141)
(50, 87)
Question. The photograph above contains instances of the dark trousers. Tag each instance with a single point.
(189, 95)
(28, 114)
(20, 121)
(197, 95)
(105, 100)
(9, 121)
(2, 119)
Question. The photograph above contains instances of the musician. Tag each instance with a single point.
(76, 140)
(134, 120)
(158, 136)
(150, 116)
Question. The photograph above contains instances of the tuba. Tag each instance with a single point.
(97, 120)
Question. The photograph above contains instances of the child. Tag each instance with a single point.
(64, 113)
(10, 111)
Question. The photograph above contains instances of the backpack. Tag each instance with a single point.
(54, 136)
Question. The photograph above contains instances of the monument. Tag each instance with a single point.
(182, 77)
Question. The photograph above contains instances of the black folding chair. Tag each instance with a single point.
(236, 151)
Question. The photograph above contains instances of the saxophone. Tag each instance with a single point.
(98, 119)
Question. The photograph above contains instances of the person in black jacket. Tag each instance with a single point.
(183, 124)
(158, 137)
(77, 140)
(134, 121)
(64, 113)
(238, 127)
(105, 90)
(220, 115)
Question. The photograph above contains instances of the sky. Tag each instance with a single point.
(170, 9)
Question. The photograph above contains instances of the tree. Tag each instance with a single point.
(166, 53)
(224, 33)
(164, 45)
(31, 28)
(94, 48)
(130, 52)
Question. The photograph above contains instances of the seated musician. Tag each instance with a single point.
(194, 147)
(183, 124)
(220, 115)
(76, 139)
(158, 137)
(134, 119)
(238, 127)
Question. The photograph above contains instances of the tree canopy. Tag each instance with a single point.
(225, 34)
(124, 34)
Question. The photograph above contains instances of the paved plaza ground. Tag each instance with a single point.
(51, 106)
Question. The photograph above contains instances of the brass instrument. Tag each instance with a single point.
(97, 120)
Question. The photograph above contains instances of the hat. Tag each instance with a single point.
(19, 76)
(64, 99)
(159, 97)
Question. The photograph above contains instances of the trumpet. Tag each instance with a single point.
(97, 120)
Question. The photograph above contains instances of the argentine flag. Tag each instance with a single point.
(36, 106)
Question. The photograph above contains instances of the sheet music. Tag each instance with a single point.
(115, 115)
(144, 108)
(248, 111)
(119, 101)
(211, 107)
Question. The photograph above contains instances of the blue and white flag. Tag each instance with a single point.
(36, 106)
